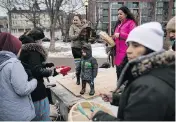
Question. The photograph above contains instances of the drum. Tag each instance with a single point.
(76, 115)
(107, 38)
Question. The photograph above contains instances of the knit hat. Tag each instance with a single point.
(9, 43)
(26, 39)
(171, 24)
(149, 35)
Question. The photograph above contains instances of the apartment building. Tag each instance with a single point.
(105, 11)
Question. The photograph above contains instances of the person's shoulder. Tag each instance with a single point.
(93, 58)
(131, 21)
(146, 79)
(149, 81)
(11, 63)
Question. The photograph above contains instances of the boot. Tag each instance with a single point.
(92, 91)
(83, 90)
(78, 79)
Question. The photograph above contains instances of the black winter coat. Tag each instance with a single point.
(32, 57)
(151, 95)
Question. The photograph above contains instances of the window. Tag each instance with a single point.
(114, 12)
(105, 12)
(105, 19)
(105, 27)
(105, 5)
(120, 4)
(160, 4)
(115, 5)
(143, 4)
(135, 5)
(159, 11)
(132, 4)
(113, 18)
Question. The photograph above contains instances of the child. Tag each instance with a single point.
(88, 68)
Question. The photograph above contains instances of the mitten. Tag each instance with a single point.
(65, 70)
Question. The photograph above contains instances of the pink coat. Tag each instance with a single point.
(121, 47)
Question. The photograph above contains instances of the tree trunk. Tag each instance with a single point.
(52, 35)
(10, 22)
(34, 20)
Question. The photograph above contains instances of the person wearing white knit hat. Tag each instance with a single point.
(149, 78)
(145, 39)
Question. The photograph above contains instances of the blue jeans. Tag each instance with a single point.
(42, 110)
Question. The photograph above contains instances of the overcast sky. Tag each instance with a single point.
(77, 4)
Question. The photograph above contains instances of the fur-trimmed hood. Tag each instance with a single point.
(35, 47)
(148, 63)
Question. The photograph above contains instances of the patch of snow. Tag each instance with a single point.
(64, 50)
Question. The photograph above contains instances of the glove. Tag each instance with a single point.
(55, 72)
(48, 65)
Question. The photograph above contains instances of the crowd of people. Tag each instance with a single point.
(144, 69)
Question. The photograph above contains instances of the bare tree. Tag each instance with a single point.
(65, 20)
(53, 8)
(8, 5)
(30, 10)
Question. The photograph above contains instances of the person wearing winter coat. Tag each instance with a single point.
(33, 57)
(171, 32)
(15, 88)
(126, 22)
(88, 68)
(149, 94)
(77, 41)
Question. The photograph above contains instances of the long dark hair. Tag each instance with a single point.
(128, 13)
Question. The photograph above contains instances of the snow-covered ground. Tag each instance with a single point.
(64, 50)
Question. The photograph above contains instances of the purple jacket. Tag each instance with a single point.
(121, 47)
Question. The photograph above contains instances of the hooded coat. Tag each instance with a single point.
(88, 65)
(32, 57)
(15, 89)
(150, 95)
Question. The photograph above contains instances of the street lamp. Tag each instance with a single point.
(86, 2)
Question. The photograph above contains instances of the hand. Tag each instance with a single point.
(55, 72)
(94, 110)
(49, 65)
(116, 35)
(107, 97)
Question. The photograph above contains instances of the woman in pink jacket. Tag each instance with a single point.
(126, 22)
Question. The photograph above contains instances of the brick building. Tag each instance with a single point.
(104, 12)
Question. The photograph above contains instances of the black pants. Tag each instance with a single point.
(118, 71)
(76, 52)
